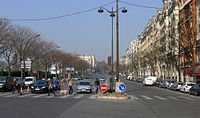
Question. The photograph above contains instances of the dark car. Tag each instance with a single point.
(5, 83)
(164, 84)
(176, 86)
(20, 81)
(195, 89)
(41, 86)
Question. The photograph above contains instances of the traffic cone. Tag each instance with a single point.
(28, 90)
(21, 91)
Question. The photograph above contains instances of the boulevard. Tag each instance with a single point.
(145, 102)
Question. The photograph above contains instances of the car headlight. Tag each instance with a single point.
(43, 87)
(88, 88)
(32, 87)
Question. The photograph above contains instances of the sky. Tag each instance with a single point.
(86, 33)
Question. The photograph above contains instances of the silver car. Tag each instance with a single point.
(84, 86)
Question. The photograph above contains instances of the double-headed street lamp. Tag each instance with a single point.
(117, 29)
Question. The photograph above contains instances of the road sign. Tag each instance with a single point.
(104, 88)
(122, 87)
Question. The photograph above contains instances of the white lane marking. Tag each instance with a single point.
(146, 97)
(78, 96)
(65, 96)
(5, 94)
(37, 96)
(161, 98)
(185, 98)
(11, 95)
(172, 98)
(92, 97)
(51, 96)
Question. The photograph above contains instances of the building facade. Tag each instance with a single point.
(90, 59)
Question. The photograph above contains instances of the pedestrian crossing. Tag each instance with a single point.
(35, 96)
(166, 98)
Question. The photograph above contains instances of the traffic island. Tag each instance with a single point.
(113, 96)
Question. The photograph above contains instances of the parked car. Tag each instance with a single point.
(84, 86)
(140, 80)
(157, 83)
(5, 83)
(195, 89)
(164, 84)
(176, 86)
(20, 81)
(170, 83)
(29, 81)
(149, 81)
(186, 86)
(41, 86)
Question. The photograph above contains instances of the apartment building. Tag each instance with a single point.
(189, 38)
(90, 59)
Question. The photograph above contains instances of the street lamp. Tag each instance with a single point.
(112, 14)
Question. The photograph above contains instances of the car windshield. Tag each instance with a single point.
(28, 80)
(84, 83)
(41, 82)
(2, 79)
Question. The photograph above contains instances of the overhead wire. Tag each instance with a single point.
(62, 16)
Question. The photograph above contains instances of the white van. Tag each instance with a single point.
(29, 81)
(149, 80)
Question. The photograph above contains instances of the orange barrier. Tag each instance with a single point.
(28, 90)
(21, 91)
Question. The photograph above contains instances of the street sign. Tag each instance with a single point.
(103, 88)
(122, 87)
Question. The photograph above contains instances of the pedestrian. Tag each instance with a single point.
(51, 88)
(15, 86)
(97, 83)
(70, 85)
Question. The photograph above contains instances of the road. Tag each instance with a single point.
(148, 102)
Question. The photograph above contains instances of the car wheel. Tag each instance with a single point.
(190, 92)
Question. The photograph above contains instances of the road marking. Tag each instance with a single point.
(172, 98)
(161, 98)
(92, 97)
(51, 96)
(10, 95)
(65, 96)
(5, 94)
(185, 98)
(37, 96)
(78, 96)
(146, 97)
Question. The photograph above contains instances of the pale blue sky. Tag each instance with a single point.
(87, 33)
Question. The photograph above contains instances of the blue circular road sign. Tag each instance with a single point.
(122, 87)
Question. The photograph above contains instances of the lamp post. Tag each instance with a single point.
(117, 30)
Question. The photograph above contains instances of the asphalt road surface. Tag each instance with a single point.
(146, 102)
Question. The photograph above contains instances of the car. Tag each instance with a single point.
(164, 84)
(84, 86)
(20, 81)
(29, 81)
(149, 81)
(41, 86)
(102, 79)
(186, 86)
(170, 84)
(195, 89)
(5, 83)
(176, 86)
